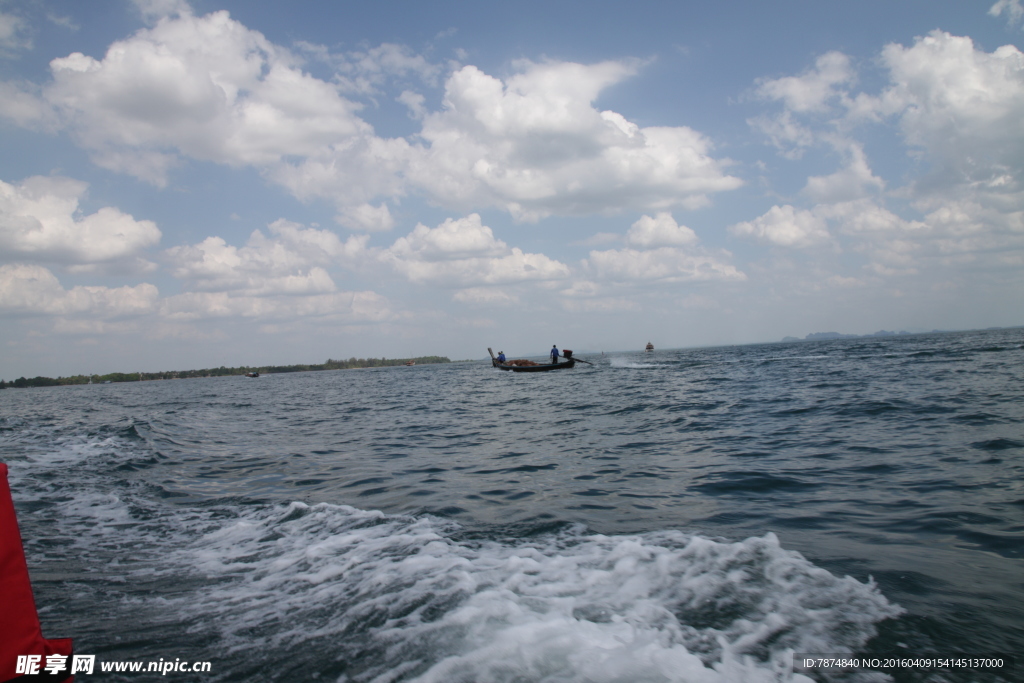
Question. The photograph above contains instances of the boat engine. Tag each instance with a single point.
(567, 353)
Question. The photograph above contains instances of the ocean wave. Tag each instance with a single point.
(404, 598)
(360, 595)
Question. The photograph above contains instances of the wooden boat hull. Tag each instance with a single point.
(546, 367)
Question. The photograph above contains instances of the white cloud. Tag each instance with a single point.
(965, 109)
(956, 233)
(659, 231)
(153, 10)
(852, 182)
(1012, 8)
(964, 106)
(414, 102)
(281, 276)
(606, 304)
(367, 217)
(366, 72)
(40, 221)
(814, 89)
(535, 145)
(464, 253)
(344, 307)
(208, 88)
(485, 296)
(211, 89)
(34, 290)
(784, 226)
(659, 250)
(664, 264)
(787, 134)
(289, 263)
(865, 217)
(809, 95)
(454, 239)
(21, 104)
(959, 108)
(13, 33)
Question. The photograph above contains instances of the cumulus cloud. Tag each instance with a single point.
(784, 226)
(40, 221)
(664, 264)
(343, 307)
(208, 88)
(367, 218)
(535, 145)
(963, 105)
(956, 233)
(367, 71)
(959, 108)
(22, 104)
(464, 253)
(278, 276)
(289, 262)
(485, 296)
(13, 33)
(865, 217)
(854, 181)
(813, 90)
(152, 10)
(34, 290)
(660, 250)
(813, 93)
(1012, 8)
(659, 231)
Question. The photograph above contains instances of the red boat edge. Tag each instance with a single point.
(20, 632)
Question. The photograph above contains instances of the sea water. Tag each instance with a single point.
(685, 515)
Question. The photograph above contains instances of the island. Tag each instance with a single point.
(243, 370)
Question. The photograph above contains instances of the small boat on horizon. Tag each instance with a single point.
(649, 348)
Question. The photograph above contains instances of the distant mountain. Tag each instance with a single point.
(819, 336)
(823, 336)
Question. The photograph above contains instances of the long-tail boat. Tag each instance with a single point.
(534, 367)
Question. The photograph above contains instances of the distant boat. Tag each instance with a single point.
(410, 362)
(252, 374)
(533, 366)
(650, 347)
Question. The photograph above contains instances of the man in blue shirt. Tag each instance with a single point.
(554, 354)
(501, 356)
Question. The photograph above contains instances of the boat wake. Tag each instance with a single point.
(397, 597)
(620, 362)
(285, 591)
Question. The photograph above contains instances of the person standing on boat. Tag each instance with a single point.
(501, 356)
(554, 354)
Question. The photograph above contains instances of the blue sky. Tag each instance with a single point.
(193, 185)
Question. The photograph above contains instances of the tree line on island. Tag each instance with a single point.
(222, 371)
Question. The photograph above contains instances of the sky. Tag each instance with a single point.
(188, 185)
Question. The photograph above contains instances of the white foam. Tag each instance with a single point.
(403, 596)
(622, 362)
(412, 598)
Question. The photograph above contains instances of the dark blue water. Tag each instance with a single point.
(685, 515)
